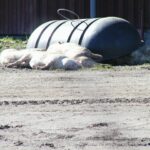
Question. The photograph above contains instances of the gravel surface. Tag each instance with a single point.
(85, 110)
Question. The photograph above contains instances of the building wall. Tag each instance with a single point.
(21, 17)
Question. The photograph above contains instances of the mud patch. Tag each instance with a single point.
(3, 127)
(98, 125)
(18, 143)
(51, 145)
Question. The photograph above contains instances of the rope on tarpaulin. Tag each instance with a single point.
(59, 12)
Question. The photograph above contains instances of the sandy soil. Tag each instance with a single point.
(76, 110)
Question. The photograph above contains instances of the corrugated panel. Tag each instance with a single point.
(48, 9)
(127, 9)
(22, 16)
(147, 14)
(17, 17)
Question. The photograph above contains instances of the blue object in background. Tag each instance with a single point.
(111, 37)
(92, 8)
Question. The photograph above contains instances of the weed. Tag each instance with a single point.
(102, 67)
(10, 42)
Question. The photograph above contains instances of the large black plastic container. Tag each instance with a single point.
(111, 37)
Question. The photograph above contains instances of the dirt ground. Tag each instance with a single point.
(75, 110)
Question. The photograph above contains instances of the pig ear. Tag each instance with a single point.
(97, 57)
(60, 42)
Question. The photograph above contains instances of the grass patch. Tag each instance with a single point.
(145, 66)
(102, 67)
(10, 42)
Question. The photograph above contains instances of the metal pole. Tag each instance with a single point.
(92, 8)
